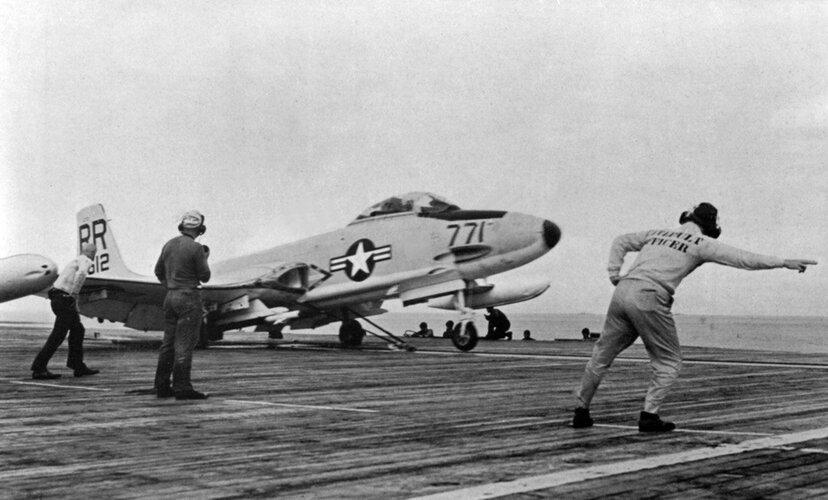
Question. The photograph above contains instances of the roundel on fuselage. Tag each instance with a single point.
(360, 258)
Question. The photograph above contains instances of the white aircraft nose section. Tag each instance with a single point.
(515, 239)
(45, 270)
(48, 270)
(551, 233)
(521, 231)
(25, 274)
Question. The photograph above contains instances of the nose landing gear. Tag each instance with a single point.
(465, 336)
(465, 333)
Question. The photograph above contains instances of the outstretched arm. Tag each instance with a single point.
(798, 264)
(720, 253)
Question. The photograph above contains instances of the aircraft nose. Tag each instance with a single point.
(49, 268)
(551, 233)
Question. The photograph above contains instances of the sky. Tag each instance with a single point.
(281, 120)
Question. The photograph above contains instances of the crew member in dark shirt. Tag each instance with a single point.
(181, 268)
(499, 325)
(424, 331)
(449, 329)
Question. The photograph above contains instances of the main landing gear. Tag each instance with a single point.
(208, 333)
(351, 333)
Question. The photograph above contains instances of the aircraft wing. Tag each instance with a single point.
(137, 301)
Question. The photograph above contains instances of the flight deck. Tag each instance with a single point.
(309, 420)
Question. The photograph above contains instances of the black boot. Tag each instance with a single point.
(581, 419)
(650, 422)
(84, 371)
(191, 394)
(44, 375)
(164, 392)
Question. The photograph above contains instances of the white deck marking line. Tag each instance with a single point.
(803, 450)
(813, 450)
(310, 407)
(691, 431)
(243, 346)
(59, 386)
(768, 364)
(613, 469)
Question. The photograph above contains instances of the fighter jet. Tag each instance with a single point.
(25, 274)
(417, 248)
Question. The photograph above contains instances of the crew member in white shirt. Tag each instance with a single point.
(64, 301)
(641, 303)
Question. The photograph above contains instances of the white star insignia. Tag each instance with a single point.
(359, 260)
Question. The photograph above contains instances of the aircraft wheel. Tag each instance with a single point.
(465, 338)
(275, 332)
(351, 333)
(208, 333)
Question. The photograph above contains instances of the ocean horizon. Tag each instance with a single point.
(805, 334)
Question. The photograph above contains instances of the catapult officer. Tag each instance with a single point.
(642, 301)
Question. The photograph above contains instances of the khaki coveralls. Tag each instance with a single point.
(641, 304)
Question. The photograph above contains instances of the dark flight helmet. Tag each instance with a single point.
(706, 216)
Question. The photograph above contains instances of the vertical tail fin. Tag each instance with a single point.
(94, 227)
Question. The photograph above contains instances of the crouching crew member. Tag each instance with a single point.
(64, 300)
(641, 303)
(181, 268)
(499, 324)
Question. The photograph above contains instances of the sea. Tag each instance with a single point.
(806, 334)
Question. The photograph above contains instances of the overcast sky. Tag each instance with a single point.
(281, 120)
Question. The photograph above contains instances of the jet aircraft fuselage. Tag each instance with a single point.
(371, 255)
(25, 274)
(417, 247)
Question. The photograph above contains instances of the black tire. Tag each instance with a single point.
(275, 333)
(351, 333)
(207, 334)
(465, 338)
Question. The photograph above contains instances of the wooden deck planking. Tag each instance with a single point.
(763, 474)
(443, 422)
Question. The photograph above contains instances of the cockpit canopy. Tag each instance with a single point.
(418, 202)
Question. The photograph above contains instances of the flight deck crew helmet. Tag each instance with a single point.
(192, 220)
(706, 217)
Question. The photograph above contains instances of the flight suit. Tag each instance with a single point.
(642, 301)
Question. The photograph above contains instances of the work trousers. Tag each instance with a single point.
(67, 320)
(497, 334)
(182, 325)
(638, 308)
